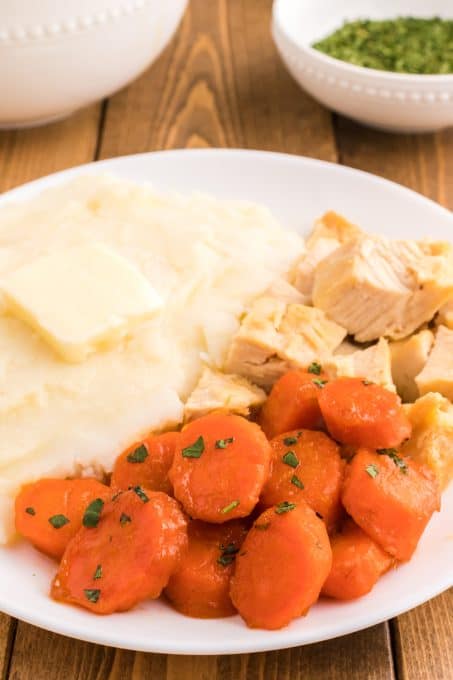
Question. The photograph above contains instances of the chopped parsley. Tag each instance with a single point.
(98, 572)
(289, 441)
(92, 594)
(318, 514)
(290, 459)
(194, 450)
(262, 527)
(223, 443)
(124, 519)
(367, 382)
(372, 470)
(93, 513)
(141, 494)
(139, 455)
(58, 521)
(393, 455)
(283, 507)
(228, 554)
(315, 368)
(319, 383)
(297, 482)
(30, 511)
(228, 508)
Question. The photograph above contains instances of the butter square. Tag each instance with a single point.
(80, 300)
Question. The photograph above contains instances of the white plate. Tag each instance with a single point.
(297, 190)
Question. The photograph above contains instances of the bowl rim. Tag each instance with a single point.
(352, 69)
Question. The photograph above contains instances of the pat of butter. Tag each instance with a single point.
(80, 300)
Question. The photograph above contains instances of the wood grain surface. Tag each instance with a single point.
(221, 83)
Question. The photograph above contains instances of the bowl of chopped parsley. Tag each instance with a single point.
(388, 64)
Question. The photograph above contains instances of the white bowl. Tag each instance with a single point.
(56, 57)
(392, 101)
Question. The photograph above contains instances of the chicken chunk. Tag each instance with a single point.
(275, 337)
(377, 287)
(218, 391)
(437, 374)
(372, 363)
(408, 359)
(431, 441)
(283, 290)
(329, 232)
(445, 316)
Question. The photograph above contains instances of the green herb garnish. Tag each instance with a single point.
(30, 511)
(367, 382)
(228, 554)
(262, 527)
(283, 507)
(372, 470)
(290, 459)
(289, 441)
(92, 594)
(319, 383)
(141, 494)
(393, 455)
(194, 450)
(138, 455)
(58, 521)
(403, 45)
(93, 513)
(124, 519)
(223, 443)
(318, 514)
(228, 508)
(297, 482)
(98, 572)
(315, 368)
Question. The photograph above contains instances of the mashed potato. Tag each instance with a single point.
(206, 258)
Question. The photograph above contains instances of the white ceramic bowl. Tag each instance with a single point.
(392, 101)
(56, 57)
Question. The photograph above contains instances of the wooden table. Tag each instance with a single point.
(221, 84)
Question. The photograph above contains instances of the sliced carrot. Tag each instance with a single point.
(220, 467)
(357, 564)
(49, 512)
(129, 556)
(200, 586)
(281, 567)
(146, 463)
(390, 498)
(306, 464)
(293, 403)
(363, 414)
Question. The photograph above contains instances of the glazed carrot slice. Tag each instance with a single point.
(146, 463)
(363, 414)
(129, 556)
(357, 564)
(293, 402)
(306, 464)
(200, 586)
(49, 512)
(281, 566)
(390, 498)
(220, 467)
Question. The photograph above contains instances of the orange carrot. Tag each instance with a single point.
(129, 556)
(363, 414)
(292, 403)
(281, 567)
(220, 467)
(390, 498)
(50, 512)
(357, 564)
(306, 464)
(146, 463)
(200, 586)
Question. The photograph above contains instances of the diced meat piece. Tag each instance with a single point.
(445, 316)
(437, 374)
(378, 287)
(283, 290)
(408, 359)
(431, 442)
(275, 337)
(218, 391)
(372, 363)
(329, 232)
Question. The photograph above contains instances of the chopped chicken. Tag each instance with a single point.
(432, 434)
(275, 337)
(437, 374)
(445, 316)
(216, 391)
(377, 287)
(283, 290)
(372, 363)
(329, 232)
(408, 359)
